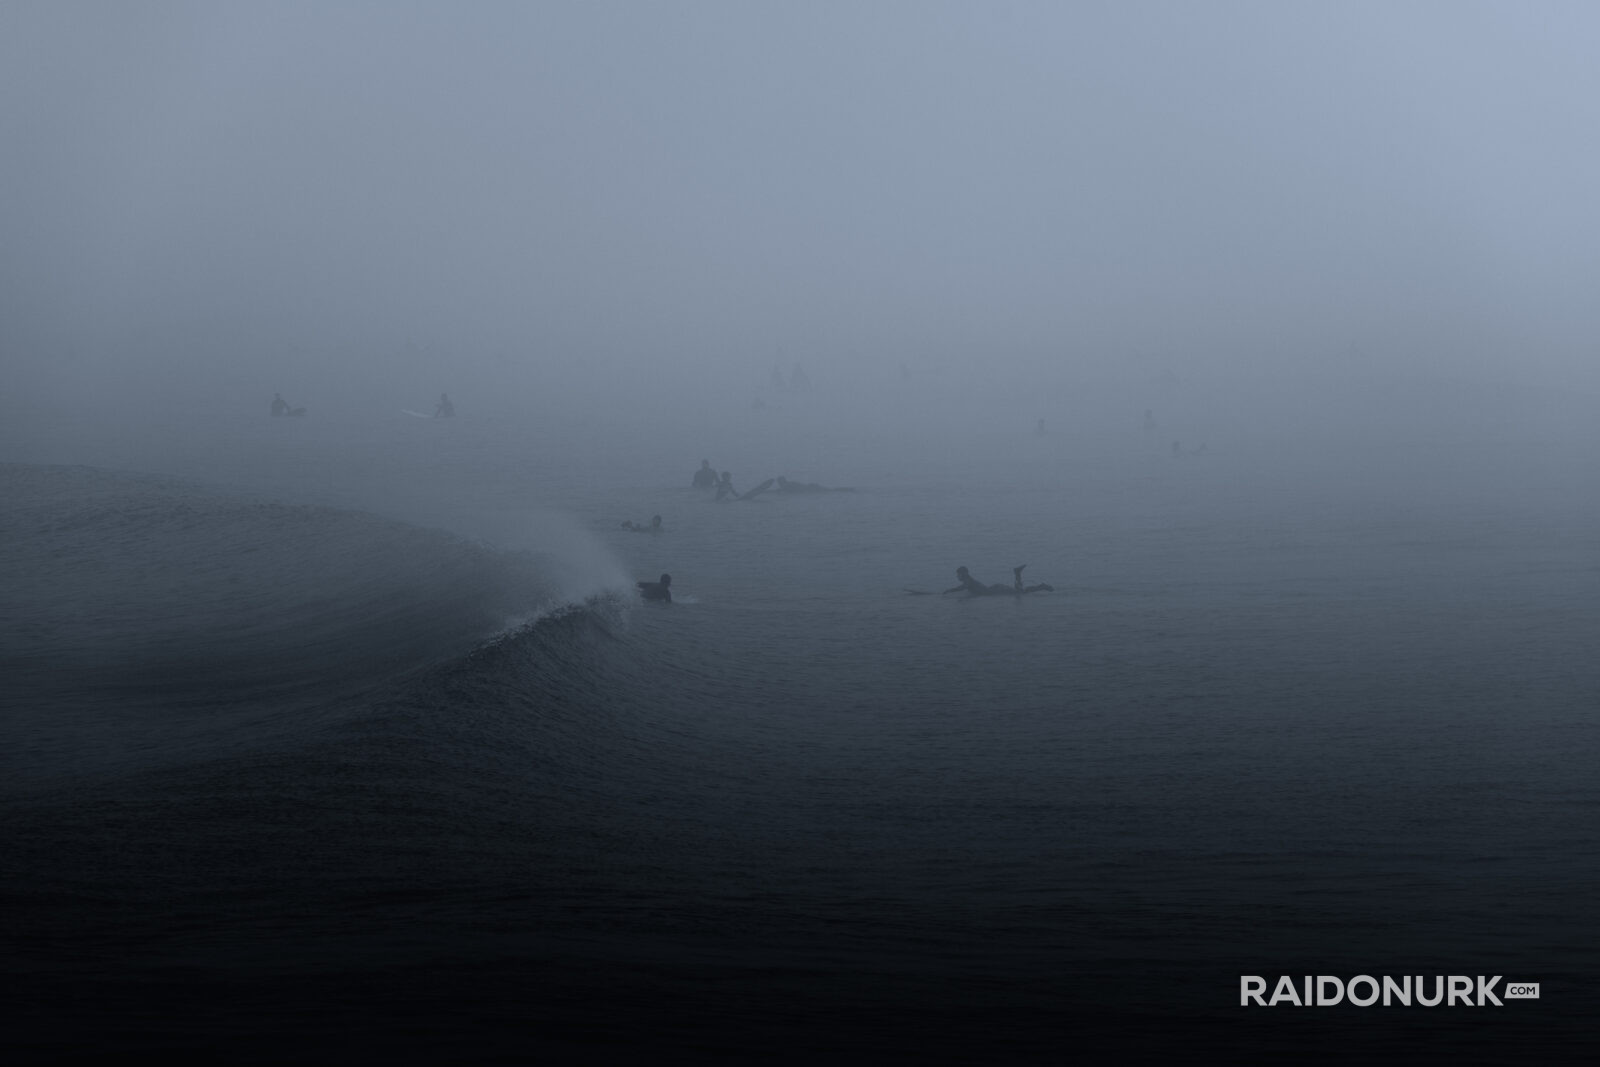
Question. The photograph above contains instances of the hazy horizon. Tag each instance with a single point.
(360, 203)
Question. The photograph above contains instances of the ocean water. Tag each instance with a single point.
(336, 737)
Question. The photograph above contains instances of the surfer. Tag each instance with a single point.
(705, 477)
(657, 590)
(280, 406)
(973, 587)
(639, 527)
(445, 410)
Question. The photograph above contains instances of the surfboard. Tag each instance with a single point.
(414, 414)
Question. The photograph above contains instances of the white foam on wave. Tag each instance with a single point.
(574, 566)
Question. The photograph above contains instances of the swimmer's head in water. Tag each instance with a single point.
(961, 572)
(666, 580)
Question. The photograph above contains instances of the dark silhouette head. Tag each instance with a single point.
(705, 464)
(666, 580)
(961, 572)
(727, 476)
(655, 520)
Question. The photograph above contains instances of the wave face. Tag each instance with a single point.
(156, 610)
(116, 579)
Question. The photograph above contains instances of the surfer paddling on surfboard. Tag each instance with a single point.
(973, 587)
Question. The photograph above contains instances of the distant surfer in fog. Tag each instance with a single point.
(657, 590)
(445, 410)
(280, 406)
(973, 587)
(639, 527)
(705, 477)
(786, 486)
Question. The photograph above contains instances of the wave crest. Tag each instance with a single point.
(138, 582)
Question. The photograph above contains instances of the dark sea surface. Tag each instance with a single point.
(344, 738)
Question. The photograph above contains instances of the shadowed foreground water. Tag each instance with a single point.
(295, 779)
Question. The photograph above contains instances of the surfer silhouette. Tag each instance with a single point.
(639, 527)
(705, 477)
(657, 590)
(973, 587)
(445, 409)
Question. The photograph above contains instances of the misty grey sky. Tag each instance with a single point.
(699, 184)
